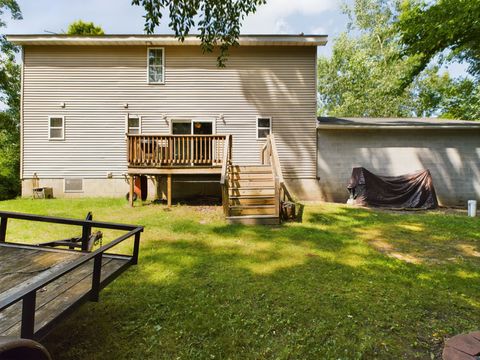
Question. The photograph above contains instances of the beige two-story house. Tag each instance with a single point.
(98, 112)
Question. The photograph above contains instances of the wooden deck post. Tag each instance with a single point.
(132, 190)
(169, 190)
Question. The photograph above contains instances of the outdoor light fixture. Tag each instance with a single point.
(62, 104)
(125, 106)
(221, 117)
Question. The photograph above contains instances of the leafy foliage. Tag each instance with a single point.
(431, 28)
(364, 75)
(10, 117)
(218, 21)
(369, 73)
(438, 94)
(80, 27)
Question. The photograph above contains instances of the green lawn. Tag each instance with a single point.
(345, 283)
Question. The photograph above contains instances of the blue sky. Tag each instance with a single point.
(120, 17)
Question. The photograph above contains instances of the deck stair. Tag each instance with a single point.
(252, 195)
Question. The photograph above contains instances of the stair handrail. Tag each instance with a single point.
(226, 160)
(269, 155)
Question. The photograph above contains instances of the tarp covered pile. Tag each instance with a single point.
(406, 191)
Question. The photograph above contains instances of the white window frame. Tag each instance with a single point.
(192, 121)
(73, 191)
(56, 128)
(262, 127)
(130, 116)
(163, 66)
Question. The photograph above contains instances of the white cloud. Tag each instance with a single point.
(273, 16)
(320, 30)
(119, 16)
(282, 27)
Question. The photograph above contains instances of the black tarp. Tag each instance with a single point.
(413, 190)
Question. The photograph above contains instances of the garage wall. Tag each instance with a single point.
(452, 156)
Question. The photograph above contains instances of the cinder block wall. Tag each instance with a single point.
(452, 156)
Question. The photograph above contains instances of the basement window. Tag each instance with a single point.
(264, 127)
(73, 185)
(56, 127)
(156, 65)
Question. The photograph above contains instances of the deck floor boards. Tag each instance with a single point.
(20, 267)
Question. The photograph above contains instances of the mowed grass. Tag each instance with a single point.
(346, 283)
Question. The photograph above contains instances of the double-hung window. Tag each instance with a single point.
(264, 127)
(56, 127)
(156, 65)
(134, 124)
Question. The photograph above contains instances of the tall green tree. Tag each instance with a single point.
(363, 76)
(10, 115)
(81, 27)
(218, 21)
(446, 28)
(369, 73)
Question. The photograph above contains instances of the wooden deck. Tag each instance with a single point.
(23, 266)
(167, 155)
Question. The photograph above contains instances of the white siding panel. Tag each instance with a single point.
(95, 82)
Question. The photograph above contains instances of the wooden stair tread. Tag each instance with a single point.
(252, 196)
(251, 217)
(254, 219)
(252, 206)
(253, 186)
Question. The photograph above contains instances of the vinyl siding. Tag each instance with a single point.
(95, 82)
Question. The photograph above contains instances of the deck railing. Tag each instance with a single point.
(269, 155)
(226, 162)
(175, 150)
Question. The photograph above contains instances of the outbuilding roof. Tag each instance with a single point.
(393, 123)
(163, 40)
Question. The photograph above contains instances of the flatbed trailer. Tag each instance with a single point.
(40, 285)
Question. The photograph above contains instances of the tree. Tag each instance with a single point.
(10, 117)
(441, 27)
(80, 27)
(218, 21)
(369, 74)
(363, 76)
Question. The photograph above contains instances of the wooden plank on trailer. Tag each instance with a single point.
(72, 289)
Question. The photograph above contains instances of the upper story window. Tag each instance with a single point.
(134, 124)
(264, 127)
(56, 127)
(156, 65)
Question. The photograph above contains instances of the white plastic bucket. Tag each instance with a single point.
(472, 208)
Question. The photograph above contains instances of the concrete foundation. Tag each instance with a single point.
(183, 187)
(304, 189)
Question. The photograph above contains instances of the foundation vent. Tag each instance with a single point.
(73, 185)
